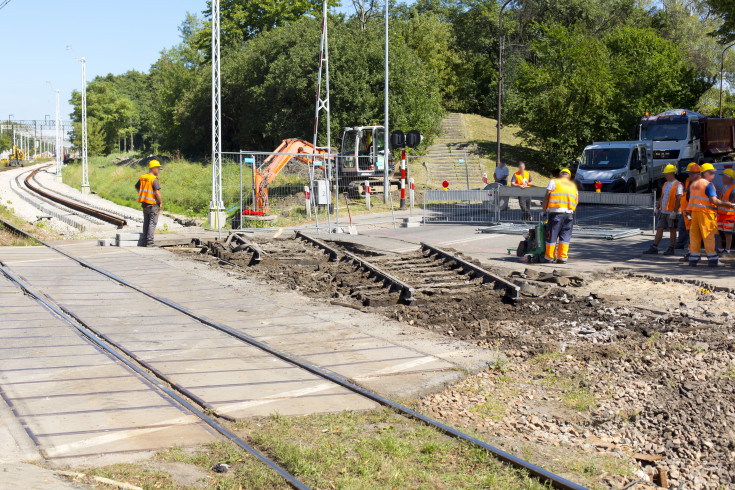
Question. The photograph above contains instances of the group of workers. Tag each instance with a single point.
(697, 214)
(693, 212)
(559, 204)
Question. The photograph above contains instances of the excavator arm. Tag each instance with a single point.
(273, 165)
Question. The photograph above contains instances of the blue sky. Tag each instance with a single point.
(113, 36)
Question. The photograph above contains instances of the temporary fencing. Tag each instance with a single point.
(459, 170)
(266, 189)
(498, 204)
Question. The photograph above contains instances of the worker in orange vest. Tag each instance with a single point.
(560, 202)
(725, 216)
(668, 211)
(149, 196)
(522, 180)
(684, 223)
(702, 209)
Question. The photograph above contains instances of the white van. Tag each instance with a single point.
(620, 166)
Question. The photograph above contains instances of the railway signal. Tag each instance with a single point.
(400, 140)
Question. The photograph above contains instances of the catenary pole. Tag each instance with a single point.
(216, 206)
(386, 181)
(500, 77)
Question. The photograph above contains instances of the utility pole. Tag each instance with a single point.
(722, 72)
(216, 206)
(59, 159)
(386, 143)
(500, 77)
(85, 164)
(323, 104)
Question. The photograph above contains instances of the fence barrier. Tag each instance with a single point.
(498, 204)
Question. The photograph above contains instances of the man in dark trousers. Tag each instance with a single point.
(149, 196)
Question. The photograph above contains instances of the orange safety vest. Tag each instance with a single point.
(564, 196)
(670, 197)
(146, 194)
(698, 200)
(520, 176)
(726, 216)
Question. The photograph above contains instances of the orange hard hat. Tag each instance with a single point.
(694, 169)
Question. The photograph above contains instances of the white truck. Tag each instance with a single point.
(619, 166)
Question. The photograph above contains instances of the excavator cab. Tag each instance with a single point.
(362, 154)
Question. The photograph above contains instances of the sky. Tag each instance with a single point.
(114, 37)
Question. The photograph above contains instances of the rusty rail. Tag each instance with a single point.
(119, 222)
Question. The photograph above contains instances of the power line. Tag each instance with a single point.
(5, 2)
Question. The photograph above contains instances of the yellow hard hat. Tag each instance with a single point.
(670, 169)
(707, 167)
(689, 167)
(565, 171)
(154, 163)
(730, 173)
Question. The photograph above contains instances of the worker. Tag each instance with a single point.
(560, 202)
(149, 195)
(667, 211)
(702, 209)
(725, 216)
(522, 180)
(501, 173)
(682, 241)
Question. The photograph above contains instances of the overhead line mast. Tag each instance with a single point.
(216, 206)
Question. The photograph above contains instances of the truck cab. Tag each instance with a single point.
(676, 136)
(620, 166)
(362, 154)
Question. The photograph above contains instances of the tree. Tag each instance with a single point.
(244, 19)
(364, 10)
(107, 107)
(725, 11)
(577, 88)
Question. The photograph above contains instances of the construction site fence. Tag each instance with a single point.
(501, 204)
(302, 195)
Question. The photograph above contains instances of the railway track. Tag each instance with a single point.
(150, 367)
(34, 186)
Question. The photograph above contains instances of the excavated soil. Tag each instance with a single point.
(656, 359)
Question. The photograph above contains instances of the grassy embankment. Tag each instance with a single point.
(186, 189)
(8, 239)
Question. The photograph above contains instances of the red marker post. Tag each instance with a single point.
(411, 192)
(367, 195)
(403, 178)
(307, 195)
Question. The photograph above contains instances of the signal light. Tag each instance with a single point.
(683, 113)
(647, 114)
(445, 185)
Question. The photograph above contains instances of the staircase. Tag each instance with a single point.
(442, 160)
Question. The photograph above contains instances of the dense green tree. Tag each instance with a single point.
(579, 88)
(725, 11)
(110, 109)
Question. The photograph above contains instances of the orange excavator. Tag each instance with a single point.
(295, 148)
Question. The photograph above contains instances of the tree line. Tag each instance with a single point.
(574, 71)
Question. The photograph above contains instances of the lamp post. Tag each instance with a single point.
(85, 166)
(12, 128)
(722, 71)
(500, 75)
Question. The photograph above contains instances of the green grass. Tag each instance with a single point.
(8, 239)
(349, 450)
(483, 132)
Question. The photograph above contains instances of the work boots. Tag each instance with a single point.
(653, 250)
(669, 251)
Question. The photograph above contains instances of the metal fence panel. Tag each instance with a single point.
(461, 170)
(498, 204)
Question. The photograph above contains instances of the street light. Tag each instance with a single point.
(722, 70)
(386, 140)
(85, 174)
(12, 128)
(500, 75)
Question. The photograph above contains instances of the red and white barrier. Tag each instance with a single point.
(307, 201)
(403, 178)
(411, 188)
(367, 194)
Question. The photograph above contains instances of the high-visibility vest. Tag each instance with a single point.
(565, 195)
(698, 200)
(670, 196)
(146, 194)
(521, 176)
(727, 195)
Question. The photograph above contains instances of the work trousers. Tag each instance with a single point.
(150, 220)
(558, 229)
(525, 203)
(703, 230)
(682, 233)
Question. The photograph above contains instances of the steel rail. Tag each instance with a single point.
(542, 474)
(395, 283)
(109, 347)
(333, 252)
(512, 291)
(119, 222)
